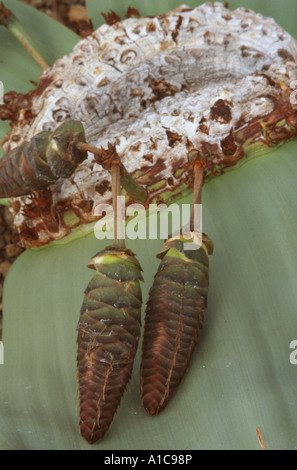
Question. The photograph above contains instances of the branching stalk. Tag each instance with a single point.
(119, 241)
(105, 159)
(197, 189)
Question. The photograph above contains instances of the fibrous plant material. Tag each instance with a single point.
(206, 80)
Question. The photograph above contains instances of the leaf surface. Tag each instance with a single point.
(241, 377)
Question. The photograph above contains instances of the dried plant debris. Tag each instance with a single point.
(207, 81)
(9, 250)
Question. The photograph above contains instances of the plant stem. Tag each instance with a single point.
(89, 148)
(4, 202)
(119, 241)
(137, 192)
(197, 189)
(10, 21)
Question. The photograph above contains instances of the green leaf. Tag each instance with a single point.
(44, 30)
(241, 377)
